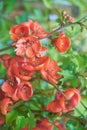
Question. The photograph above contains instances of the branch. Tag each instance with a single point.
(79, 22)
(59, 29)
(6, 18)
(6, 48)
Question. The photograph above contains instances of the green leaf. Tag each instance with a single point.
(48, 3)
(11, 116)
(21, 122)
(55, 128)
(67, 74)
(31, 120)
(2, 71)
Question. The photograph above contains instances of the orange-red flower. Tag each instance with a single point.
(61, 104)
(39, 62)
(23, 91)
(26, 28)
(54, 107)
(49, 71)
(29, 46)
(20, 30)
(44, 124)
(7, 89)
(26, 127)
(5, 59)
(20, 67)
(38, 31)
(2, 119)
(73, 99)
(2, 94)
(62, 43)
(59, 126)
(5, 105)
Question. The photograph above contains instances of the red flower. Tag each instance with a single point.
(38, 31)
(59, 126)
(2, 120)
(5, 59)
(29, 46)
(62, 43)
(21, 68)
(44, 124)
(5, 105)
(26, 127)
(2, 94)
(60, 104)
(39, 62)
(49, 71)
(24, 91)
(20, 30)
(7, 88)
(73, 98)
(54, 107)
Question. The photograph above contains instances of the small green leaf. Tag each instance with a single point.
(11, 116)
(48, 3)
(31, 120)
(55, 128)
(21, 122)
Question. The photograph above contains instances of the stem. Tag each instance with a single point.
(6, 18)
(79, 112)
(6, 48)
(83, 105)
(17, 104)
(79, 22)
(81, 120)
(55, 86)
(60, 91)
(59, 29)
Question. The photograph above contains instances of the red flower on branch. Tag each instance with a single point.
(5, 59)
(29, 46)
(26, 28)
(7, 89)
(62, 43)
(44, 124)
(73, 99)
(20, 30)
(59, 125)
(2, 119)
(23, 91)
(49, 71)
(20, 67)
(26, 127)
(38, 31)
(61, 104)
(5, 105)
(39, 62)
(54, 107)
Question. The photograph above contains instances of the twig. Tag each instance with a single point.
(57, 88)
(7, 18)
(6, 48)
(83, 105)
(79, 112)
(79, 22)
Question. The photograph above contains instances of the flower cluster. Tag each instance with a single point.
(21, 69)
(29, 59)
(63, 104)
